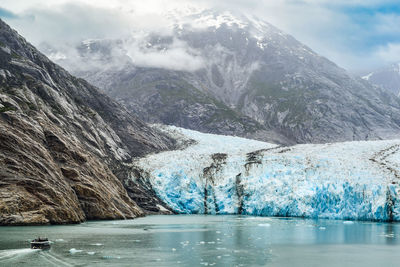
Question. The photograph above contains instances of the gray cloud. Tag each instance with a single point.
(320, 24)
(176, 56)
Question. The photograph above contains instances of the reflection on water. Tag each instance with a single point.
(197, 240)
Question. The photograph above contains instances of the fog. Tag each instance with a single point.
(354, 34)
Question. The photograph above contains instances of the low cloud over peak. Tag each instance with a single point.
(356, 34)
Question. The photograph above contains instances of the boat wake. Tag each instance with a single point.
(15, 253)
(53, 260)
(13, 257)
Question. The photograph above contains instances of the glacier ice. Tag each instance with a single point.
(231, 175)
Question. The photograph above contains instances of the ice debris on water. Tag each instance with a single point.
(74, 250)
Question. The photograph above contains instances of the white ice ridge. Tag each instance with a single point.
(231, 175)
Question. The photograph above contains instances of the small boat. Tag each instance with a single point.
(40, 243)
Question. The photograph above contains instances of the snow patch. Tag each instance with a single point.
(367, 77)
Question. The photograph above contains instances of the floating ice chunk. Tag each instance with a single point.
(348, 222)
(74, 250)
(264, 224)
(185, 243)
(389, 235)
(322, 228)
(59, 240)
(91, 253)
(96, 244)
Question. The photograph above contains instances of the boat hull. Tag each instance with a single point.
(40, 245)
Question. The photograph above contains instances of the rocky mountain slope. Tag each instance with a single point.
(388, 78)
(63, 144)
(245, 78)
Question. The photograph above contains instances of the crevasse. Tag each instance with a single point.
(231, 175)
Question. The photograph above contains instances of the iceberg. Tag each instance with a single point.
(230, 175)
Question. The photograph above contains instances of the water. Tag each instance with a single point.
(198, 240)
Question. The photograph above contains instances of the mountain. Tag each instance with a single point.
(388, 78)
(65, 146)
(231, 74)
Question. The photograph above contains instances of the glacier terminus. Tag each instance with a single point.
(217, 174)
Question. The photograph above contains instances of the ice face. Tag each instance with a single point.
(231, 175)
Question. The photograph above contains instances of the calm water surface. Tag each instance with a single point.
(195, 240)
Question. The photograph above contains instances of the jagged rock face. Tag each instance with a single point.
(267, 85)
(63, 143)
(388, 78)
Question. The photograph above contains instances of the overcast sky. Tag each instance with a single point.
(356, 34)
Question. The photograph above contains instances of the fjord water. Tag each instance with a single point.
(198, 240)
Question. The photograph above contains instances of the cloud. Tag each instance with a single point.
(352, 33)
(389, 53)
(4, 13)
(70, 23)
(176, 55)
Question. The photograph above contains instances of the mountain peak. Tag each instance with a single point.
(224, 73)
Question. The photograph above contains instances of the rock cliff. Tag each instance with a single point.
(63, 144)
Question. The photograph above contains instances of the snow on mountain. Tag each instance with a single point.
(231, 175)
(387, 78)
(226, 73)
(368, 76)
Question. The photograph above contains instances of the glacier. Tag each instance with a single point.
(218, 174)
